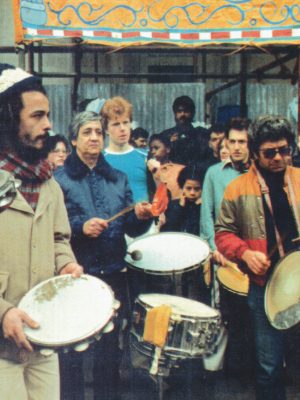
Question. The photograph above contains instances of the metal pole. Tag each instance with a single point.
(298, 133)
(78, 57)
(160, 387)
(243, 87)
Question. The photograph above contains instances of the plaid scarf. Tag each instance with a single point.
(31, 175)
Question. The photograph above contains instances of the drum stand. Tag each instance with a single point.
(164, 371)
(160, 387)
(159, 381)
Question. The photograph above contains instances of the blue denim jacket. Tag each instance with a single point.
(99, 192)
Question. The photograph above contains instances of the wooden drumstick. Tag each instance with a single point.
(120, 213)
(233, 266)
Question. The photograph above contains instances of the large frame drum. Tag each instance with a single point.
(71, 312)
(282, 304)
(169, 263)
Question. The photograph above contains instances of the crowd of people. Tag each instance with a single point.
(233, 185)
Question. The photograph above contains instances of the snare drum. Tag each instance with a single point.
(193, 328)
(282, 293)
(71, 312)
(169, 263)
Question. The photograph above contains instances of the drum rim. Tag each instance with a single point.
(267, 289)
(169, 271)
(175, 314)
(169, 234)
(92, 332)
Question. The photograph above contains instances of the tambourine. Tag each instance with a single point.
(71, 312)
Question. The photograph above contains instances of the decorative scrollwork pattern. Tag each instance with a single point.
(188, 22)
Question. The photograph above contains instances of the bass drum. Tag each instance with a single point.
(169, 263)
(282, 296)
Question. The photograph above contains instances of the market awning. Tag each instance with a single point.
(187, 23)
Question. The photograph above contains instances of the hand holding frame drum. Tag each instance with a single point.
(71, 312)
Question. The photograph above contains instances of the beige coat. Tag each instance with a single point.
(33, 246)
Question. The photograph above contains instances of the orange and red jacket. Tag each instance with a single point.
(241, 222)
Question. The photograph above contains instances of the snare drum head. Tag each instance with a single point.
(283, 291)
(168, 251)
(180, 305)
(68, 310)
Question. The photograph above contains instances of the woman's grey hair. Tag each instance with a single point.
(79, 120)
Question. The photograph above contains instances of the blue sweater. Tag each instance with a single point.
(133, 164)
(216, 179)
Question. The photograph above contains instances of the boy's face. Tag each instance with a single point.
(118, 129)
(192, 190)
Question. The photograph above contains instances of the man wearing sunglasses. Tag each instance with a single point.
(256, 227)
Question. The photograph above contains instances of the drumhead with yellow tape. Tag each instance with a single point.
(282, 296)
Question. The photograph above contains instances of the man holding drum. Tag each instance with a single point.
(35, 234)
(95, 192)
(255, 228)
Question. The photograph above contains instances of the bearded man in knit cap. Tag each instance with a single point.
(34, 238)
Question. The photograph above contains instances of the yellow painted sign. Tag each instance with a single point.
(139, 22)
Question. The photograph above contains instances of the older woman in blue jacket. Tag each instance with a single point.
(94, 192)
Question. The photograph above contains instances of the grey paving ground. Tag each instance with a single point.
(137, 383)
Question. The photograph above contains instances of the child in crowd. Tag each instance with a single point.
(163, 170)
(183, 214)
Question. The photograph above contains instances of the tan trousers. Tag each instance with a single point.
(36, 379)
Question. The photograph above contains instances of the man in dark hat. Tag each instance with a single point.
(34, 243)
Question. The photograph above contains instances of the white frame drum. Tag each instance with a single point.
(282, 293)
(71, 312)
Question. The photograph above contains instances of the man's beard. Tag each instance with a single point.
(184, 121)
(31, 154)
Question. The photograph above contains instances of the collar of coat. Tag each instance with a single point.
(76, 168)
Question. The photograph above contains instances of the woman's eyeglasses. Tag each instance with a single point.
(271, 153)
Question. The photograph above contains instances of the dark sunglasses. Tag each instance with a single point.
(271, 153)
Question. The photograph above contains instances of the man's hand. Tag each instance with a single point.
(182, 199)
(94, 226)
(143, 210)
(72, 268)
(218, 258)
(12, 326)
(256, 261)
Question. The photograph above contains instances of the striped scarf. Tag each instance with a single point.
(31, 175)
